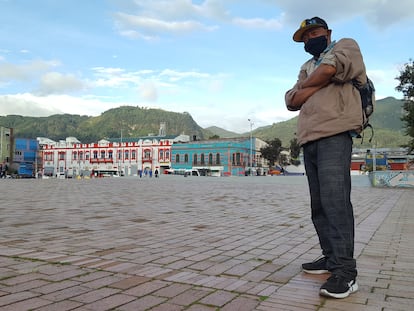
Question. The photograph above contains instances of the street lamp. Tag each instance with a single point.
(251, 148)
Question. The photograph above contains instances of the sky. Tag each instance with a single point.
(225, 62)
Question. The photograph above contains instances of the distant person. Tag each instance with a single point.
(156, 173)
(330, 114)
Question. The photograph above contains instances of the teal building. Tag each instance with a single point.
(219, 157)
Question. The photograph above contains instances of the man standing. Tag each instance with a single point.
(330, 114)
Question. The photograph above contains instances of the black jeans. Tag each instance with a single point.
(328, 164)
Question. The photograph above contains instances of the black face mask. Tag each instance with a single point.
(316, 46)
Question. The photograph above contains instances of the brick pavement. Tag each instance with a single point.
(194, 243)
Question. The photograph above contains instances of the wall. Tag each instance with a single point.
(395, 179)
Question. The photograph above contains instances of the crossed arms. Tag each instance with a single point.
(318, 79)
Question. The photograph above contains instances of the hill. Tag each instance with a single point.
(127, 121)
(222, 132)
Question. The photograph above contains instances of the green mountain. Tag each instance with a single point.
(124, 121)
(222, 132)
(131, 121)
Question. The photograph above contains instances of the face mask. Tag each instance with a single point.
(316, 46)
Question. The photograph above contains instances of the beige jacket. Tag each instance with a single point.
(335, 108)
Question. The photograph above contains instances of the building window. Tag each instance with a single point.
(61, 156)
(167, 155)
(186, 158)
(133, 154)
(210, 159)
(177, 158)
(75, 155)
(126, 154)
(102, 154)
(218, 158)
(81, 155)
(147, 154)
(110, 154)
(236, 159)
(87, 156)
(95, 154)
(202, 159)
(161, 154)
(195, 159)
(119, 155)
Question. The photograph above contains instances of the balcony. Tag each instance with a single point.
(100, 160)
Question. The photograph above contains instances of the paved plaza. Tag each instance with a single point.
(196, 243)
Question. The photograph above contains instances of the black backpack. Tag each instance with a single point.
(367, 92)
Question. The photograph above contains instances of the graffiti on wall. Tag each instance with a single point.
(399, 179)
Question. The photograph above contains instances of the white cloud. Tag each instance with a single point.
(147, 19)
(150, 19)
(25, 71)
(57, 83)
(379, 13)
(31, 105)
(26, 105)
(385, 82)
(258, 23)
(149, 28)
(173, 75)
(148, 91)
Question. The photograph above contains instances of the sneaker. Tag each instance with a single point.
(316, 267)
(338, 287)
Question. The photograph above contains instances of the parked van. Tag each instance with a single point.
(192, 172)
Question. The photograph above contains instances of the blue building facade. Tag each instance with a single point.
(219, 157)
(25, 156)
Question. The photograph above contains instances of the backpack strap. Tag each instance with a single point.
(362, 134)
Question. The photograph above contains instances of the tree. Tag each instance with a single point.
(272, 151)
(294, 151)
(406, 86)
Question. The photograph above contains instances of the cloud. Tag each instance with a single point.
(57, 83)
(148, 91)
(40, 106)
(116, 77)
(25, 71)
(258, 23)
(175, 76)
(387, 13)
(380, 14)
(153, 25)
(179, 9)
(152, 19)
(152, 83)
(26, 105)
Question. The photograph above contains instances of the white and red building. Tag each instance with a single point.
(112, 157)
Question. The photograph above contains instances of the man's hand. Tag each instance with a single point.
(320, 78)
(301, 96)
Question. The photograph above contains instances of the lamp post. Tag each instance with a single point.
(251, 149)
(122, 155)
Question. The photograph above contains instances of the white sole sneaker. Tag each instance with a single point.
(352, 289)
(315, 271)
